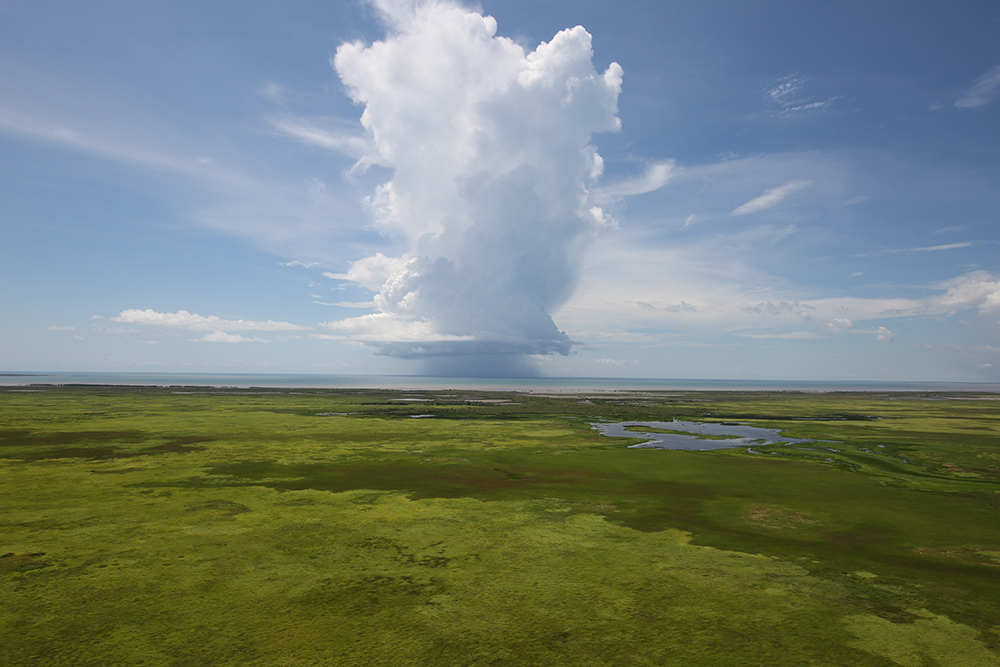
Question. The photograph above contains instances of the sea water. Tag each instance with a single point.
(416, 382)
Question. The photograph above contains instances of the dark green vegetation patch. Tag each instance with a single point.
(325, 527)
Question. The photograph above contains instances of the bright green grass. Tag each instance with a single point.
(148, 527)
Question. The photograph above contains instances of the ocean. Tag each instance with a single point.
(243, 380)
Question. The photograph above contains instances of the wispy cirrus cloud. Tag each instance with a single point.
(331, 134)
(182, 319)
(245, 197)
(933, 248)
(956, 346)
(272, 91)
(347, 304)
(983, 92)
(788, 96)
(786, 335)
(223, 337)
(953, 228)
(679, 289)
(770, 198)
(79, 135)
(655, 177)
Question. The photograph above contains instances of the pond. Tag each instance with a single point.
(679, 434)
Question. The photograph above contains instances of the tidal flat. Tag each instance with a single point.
(190, 526)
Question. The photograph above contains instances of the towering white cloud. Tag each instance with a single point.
(490, 148)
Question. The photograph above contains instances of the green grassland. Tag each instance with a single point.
(186, 526)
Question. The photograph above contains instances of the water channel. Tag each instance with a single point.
(679, 434)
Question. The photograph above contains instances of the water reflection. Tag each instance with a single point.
(679, 434)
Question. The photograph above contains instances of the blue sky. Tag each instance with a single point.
(793, 191)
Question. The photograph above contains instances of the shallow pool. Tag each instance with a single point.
(693, 435)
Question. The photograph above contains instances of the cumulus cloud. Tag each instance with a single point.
(370, 272)
(979, 289)
(770, 198)
(838, 324)
(885, 335)
(182, 319)
(983, 92)
(492, 193)
(386, 328)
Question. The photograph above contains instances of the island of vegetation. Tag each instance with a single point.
(169, 526)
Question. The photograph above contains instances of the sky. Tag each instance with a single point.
(712, 190)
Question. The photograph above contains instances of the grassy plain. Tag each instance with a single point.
(186, 526)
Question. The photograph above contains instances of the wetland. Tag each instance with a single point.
(702, 436)
(184, 526)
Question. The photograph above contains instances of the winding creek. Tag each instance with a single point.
(679, 434)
